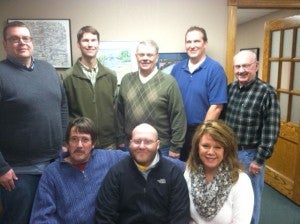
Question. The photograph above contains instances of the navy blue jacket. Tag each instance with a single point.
(127, 197)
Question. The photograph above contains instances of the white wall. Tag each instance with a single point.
(251, 34)
(164, 21)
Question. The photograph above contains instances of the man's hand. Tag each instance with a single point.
(121, 146)
(7, 180)
(64, 149)
(254, 168)
(174, 155)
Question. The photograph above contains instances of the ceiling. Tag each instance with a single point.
(245, 15)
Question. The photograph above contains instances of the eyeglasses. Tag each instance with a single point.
(145, 141)
(148, 55)
(15, 39)
(76, 140)
(244, 66)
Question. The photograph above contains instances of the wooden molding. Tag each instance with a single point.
(282, 4)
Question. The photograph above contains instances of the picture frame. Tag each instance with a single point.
(51, 40)
(118, 56)
(166, 61)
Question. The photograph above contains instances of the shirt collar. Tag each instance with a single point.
(248, 85)
(20, 65)
(150, 76)
(87, 69)
(151, 166)
(194, 67)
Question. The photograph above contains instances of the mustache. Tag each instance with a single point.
(78, 150)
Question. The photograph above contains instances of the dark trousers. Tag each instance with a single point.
(17, 203)
(185, 151)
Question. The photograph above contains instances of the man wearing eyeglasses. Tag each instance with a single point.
(253, 112)
(69, 186)
(150, 96)
(33, 119)
(143, 188)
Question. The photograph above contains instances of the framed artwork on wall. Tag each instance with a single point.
(118, 56)
(166, 61)
(51, 40)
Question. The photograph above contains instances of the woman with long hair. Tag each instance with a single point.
(220, 192)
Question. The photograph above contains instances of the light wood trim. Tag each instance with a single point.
(266, 56)
(287, 4)
(233, 5)
(281, 182)
(231, 39)
(286, 22)
(287, 186)
(279, 24)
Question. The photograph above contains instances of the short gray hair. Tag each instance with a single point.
(151, 43)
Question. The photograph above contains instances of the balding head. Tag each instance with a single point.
(250, 55)
(145, 128)
(245, 67)
(144, 144)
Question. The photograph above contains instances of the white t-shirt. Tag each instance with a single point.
(238, 207)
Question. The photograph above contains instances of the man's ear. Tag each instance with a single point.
(78, 45)
(4, 43)
(158, 142)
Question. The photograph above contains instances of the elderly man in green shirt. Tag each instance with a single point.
(150, 96)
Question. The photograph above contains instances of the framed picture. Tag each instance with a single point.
(118, 56)
(51, 40)
(255, 50)
(166, 61)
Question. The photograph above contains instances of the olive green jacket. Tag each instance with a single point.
(95, 102)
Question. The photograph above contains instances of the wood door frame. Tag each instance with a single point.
(291, 186)
(282, 169)
(232, 6)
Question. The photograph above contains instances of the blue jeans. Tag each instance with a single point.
(165, 151)
(246, 157)
(17, 203)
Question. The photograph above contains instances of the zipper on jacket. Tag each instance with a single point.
(94, 93)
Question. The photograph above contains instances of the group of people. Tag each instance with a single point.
(50, 172)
